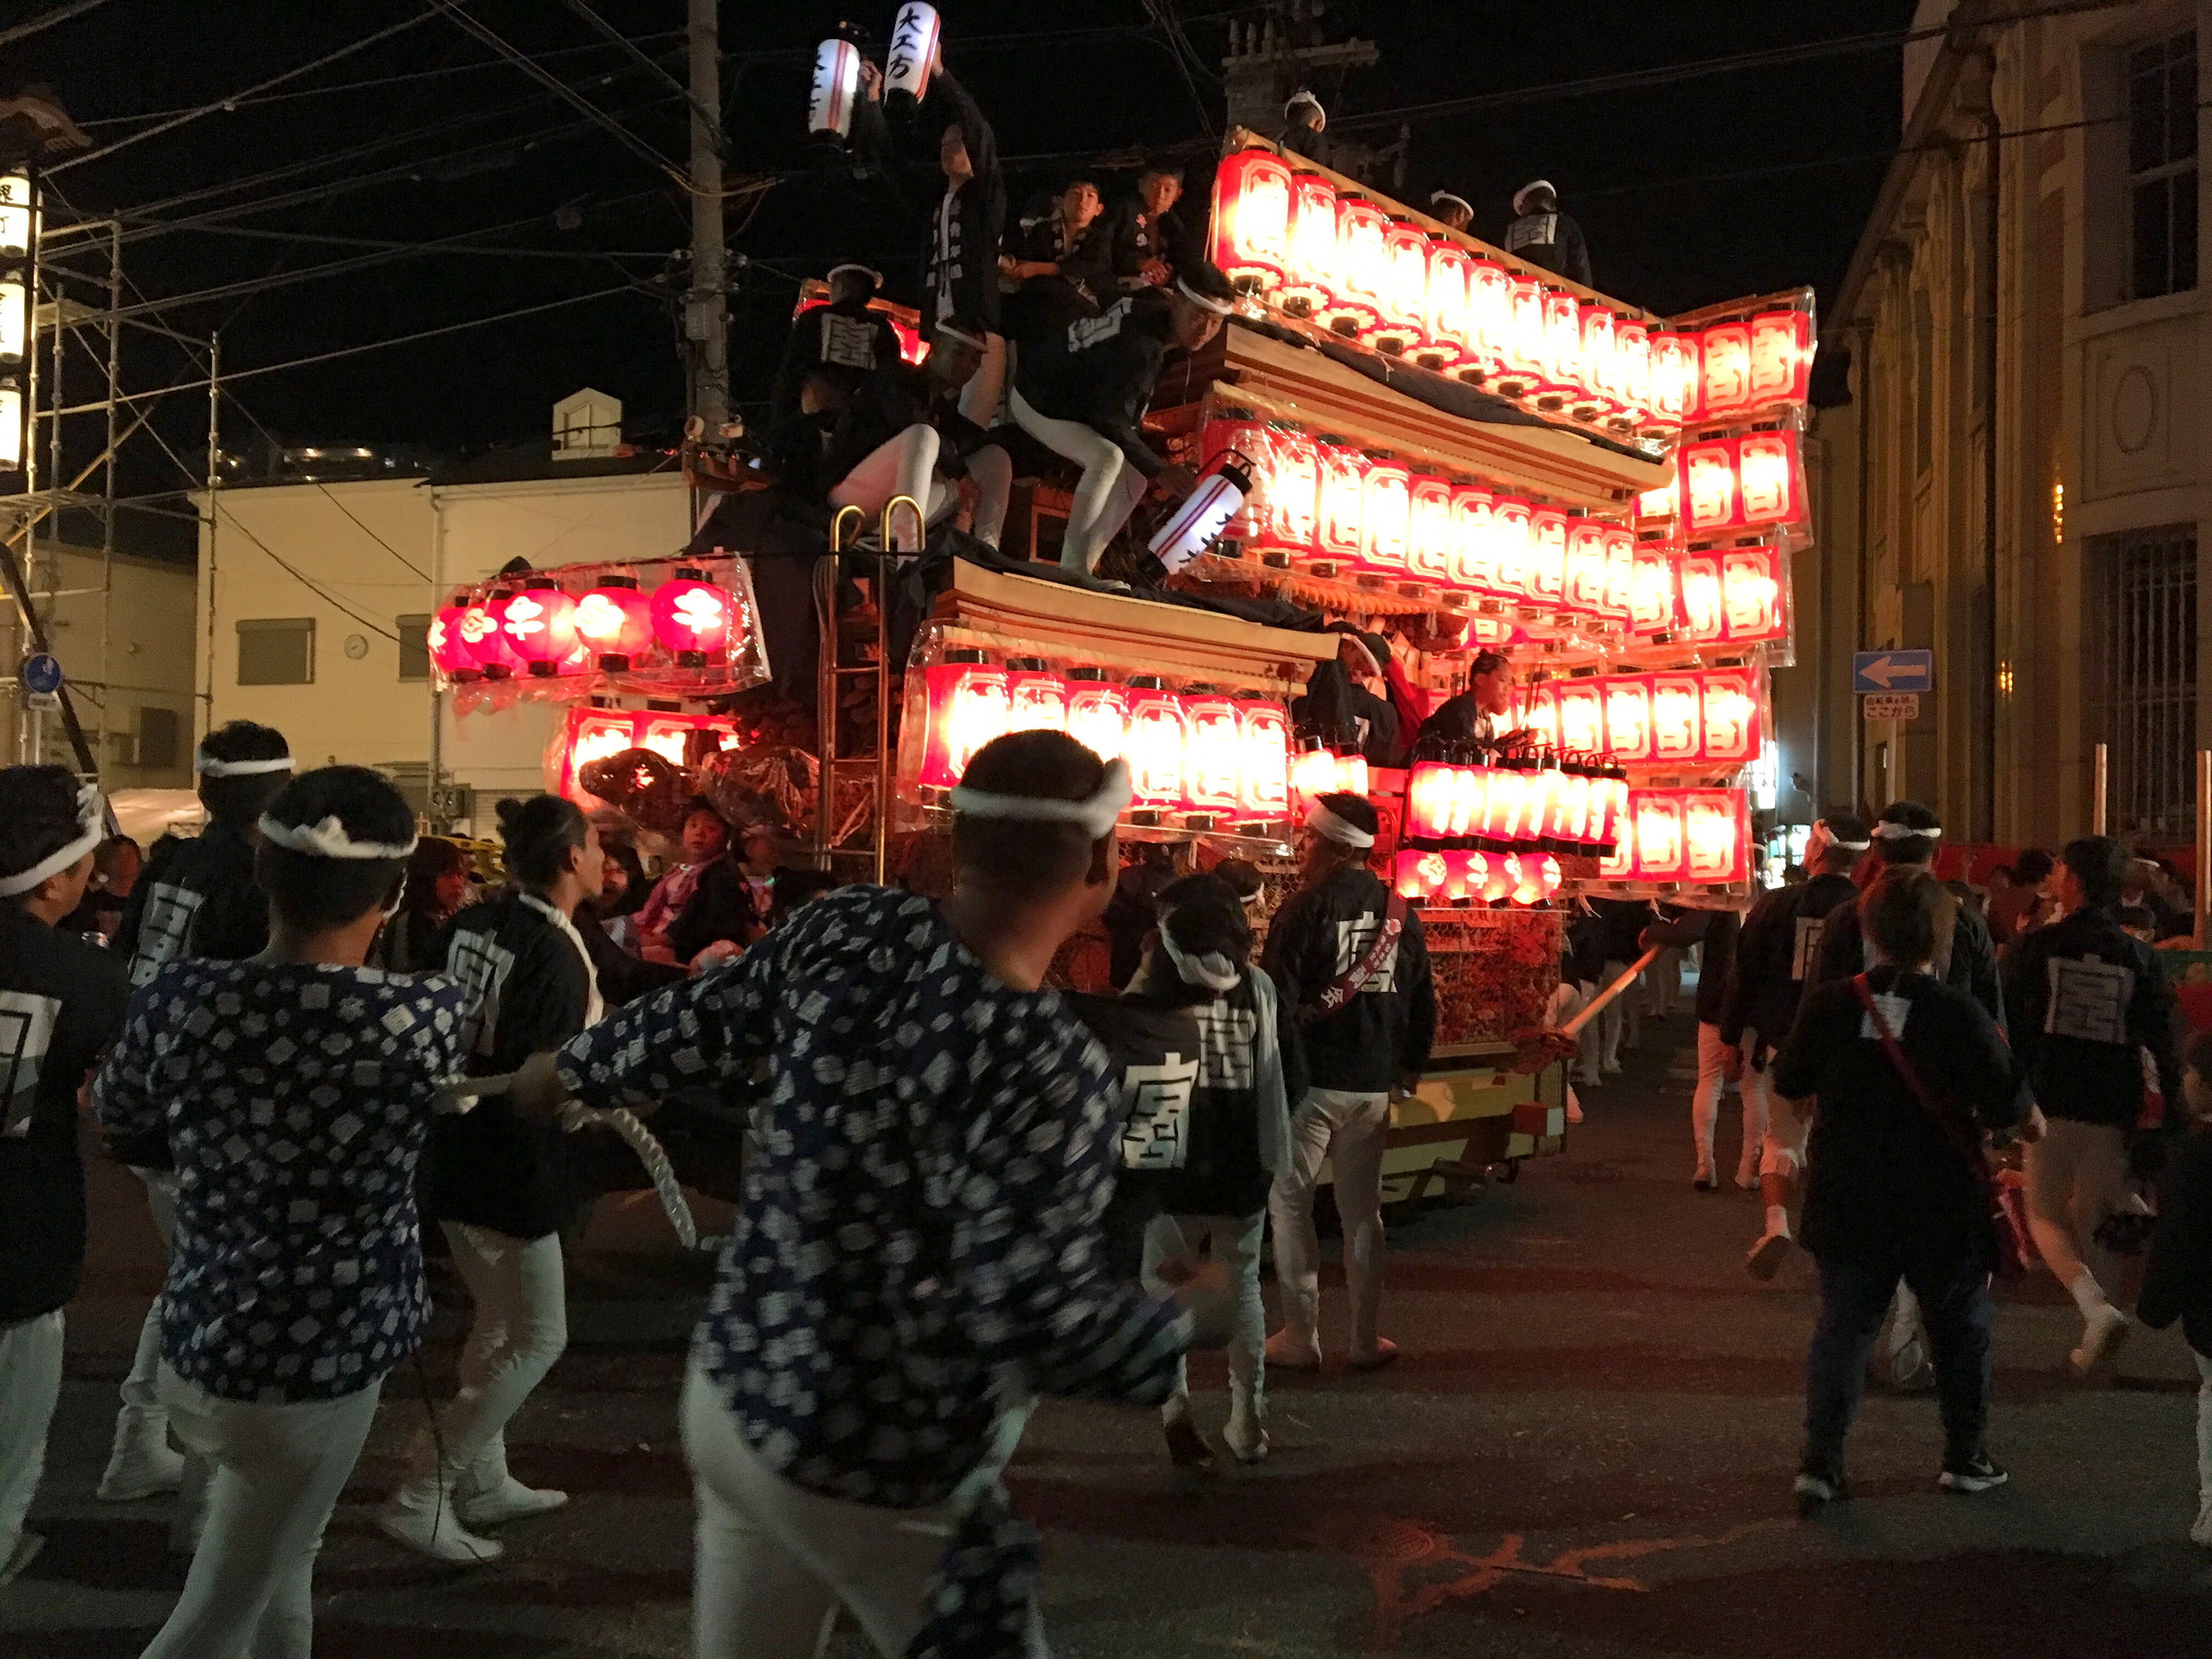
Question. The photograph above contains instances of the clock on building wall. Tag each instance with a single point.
(356, 647)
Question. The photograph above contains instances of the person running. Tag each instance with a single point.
(1083, 394)
(2086, 1001)
(1777, 954)
(1910, 1074)
(62, 999)
(295, 1091)
(1212, 1188)
(1715, 932)
(1353, 950)
(919, 1248)
(902, 434)
(2178, 1278)
(196, 897)
(500, 1187)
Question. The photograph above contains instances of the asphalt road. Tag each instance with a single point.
(1585, 1452)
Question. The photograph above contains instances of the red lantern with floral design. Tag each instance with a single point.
(495, 655)
(691, 617)
(540, 624)
(614, 621)
(447, 643)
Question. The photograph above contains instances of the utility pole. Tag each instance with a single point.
(705, 308)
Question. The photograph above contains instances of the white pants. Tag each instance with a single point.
(2077, 1175)
(772, 1561)
(30, 1383)
(907, 465)
(1662, 982)
(1619, 1018)
(979, 400)
(520, 1329)
(1782, 1149)
(1348, 1130)
(1109, 489)
(143, 1412)
(278, 1472)
(1706, 1102)
(1234, 1241)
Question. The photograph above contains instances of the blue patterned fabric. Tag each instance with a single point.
(296, 1100)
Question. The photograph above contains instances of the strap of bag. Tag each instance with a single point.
(1946, 1122)
(1346, 986)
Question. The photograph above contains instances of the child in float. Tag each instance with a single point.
(706, 837)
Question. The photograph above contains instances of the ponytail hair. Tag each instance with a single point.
(538, 833)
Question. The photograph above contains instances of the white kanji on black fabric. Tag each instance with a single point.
(1805, 960)
(162, 934)
(2089, 999)
(27, 1031)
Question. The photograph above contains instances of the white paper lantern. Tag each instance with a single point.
(837, 85)
(15, 320)
(913, 50)
(11, 428)
(15, 215)
(1191, 528)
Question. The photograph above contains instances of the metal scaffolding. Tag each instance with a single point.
(79, 415)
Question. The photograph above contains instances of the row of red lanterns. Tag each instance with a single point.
(1705, 717)
(1528, 803)
(1682, 836)
(1464, 878)
(1291, 236)
(535, 628)
(1202, 752)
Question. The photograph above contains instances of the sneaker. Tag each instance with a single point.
(1767, 1255)
(141, 1466)
(1973, 1474)
(418, 1519)
(1187, 1447)
(1375, 1358)
(1247, 1433)
(2100, 1343)
(1815, 1490)
(1285, 1354)
(28, 1546)
(508, 1501)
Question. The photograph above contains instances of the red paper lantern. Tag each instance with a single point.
(1428, 530)
(1352, 774)
(1501, 875)
(1677, 719)
(1489, 319)
(1716, 836)
(1631, 354)
(614, 621)
(1609, 794)
(1416, 876)
(1470, 801)
(1158, 733)
(691, 617)
(1751, 595)
(1707, 473)
(1097, 713)
(1586, 567)
(1563, 348)
(1430, 787)
(590, 735)
(1312, 773)
(1036, 699)
(1651, 592)
(1385, 510)
(1620, 575)
(495, 655)
(1628, 718)
(1513, 544)
(448, 642)
(540, 623)
(1767, 479)
(1782, 352)
(965, 709)
(1725, 387)
(1310, 277)
(1540, 713)
(1361, 269)
(1675, 376)
(1289, 495)
(1601, 368)
(1582, 715)
(1474, 541)
(1252, 219)
(1213, 753)
(1447, 312)
(1731, 719)
(1547, 556)
(1343, 482)
(1263, 766)
(1528, 353)
(1698, 614)
(1539, 878)
(1659, 853)
(1403, 321)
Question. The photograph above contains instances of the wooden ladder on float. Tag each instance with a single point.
(831, 676)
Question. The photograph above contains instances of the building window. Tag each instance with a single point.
(276, 651)
(414, 647)
(2151, 691)
(159, 733)
(2162, 168)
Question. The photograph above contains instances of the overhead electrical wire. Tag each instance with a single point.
(58, 14)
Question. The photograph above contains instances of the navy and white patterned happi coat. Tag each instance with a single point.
(296, 1099)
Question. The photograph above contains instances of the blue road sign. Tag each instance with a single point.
(1893, 671)
(42, 673)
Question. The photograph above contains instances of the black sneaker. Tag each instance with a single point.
(1974, 1474)
(1815, 1490)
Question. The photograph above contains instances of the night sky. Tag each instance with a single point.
(1691, 190)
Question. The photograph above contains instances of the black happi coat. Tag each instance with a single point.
(2084, 998)
(1381, 1034)
(1777, 954)
(195, 898)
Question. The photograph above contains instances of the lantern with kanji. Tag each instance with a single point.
(1609, 805)
(1428, 530)
(1310, 277)
(1547, 556)
(1731, 723)
(540, 623)
(1430, 787)
(1599, 394)
(1781, 357)
(913, 55)
(1628, 718)
(1677, 719)
(1698, 614)
(1563, 349)
(1312, 773)
(1582, 715)
(1513, 544)
(1489, 320)
(1236, 435)
(965, 708)
(1526, 354)
(448, 642)
(1767, 479)
(1355, 301)
(1708, 477)
(614, 622)
(1208, 510)
(1097, 712)
(691, 617)
(1651, 591)
(1417, 875)
(1343, 482)
(1213, 753)
(1159, 732)
(1631, 357)
(1037, 698)
(1263, 764)
(1252, 220)
(1385, 506)
(1446, 311)
(1474, 547)
(1403, 320)
(1284, 520)
(1659, 848)
(1673, 384)
(1751, 594)
(1713, 843)
(836, 89)
(1540, 713)
(1585, 582)
(1724, 388)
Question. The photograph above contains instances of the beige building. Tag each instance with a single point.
(122, 631)
(2018, 478)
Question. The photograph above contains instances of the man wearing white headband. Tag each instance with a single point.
(1546, 237)
(1083, 394)
(1777, 954)
(196, 897)
(919, 1250)
(1908, 834)
(842, 340)
(61, 1002)
(1354, 953)
(902, 434)
(1454, 211)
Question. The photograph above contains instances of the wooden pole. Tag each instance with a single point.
(1573, 1027)
(2101, 792)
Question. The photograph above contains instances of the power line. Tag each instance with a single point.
(58, 14)
(328, 493)
(327, 240)
(713, 121)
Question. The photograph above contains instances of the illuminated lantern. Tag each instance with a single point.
(1609, 793)
(1543, 784)
(1577, 801)
(1311, 278)
(1429, 790)
(1513, 543)
(1428, 530)
(1585, 568)
(1539, 878)
(1263, 766)
(15, 320)
(1204, 512)
(1343, 481)
(1724, 387)
(966, 707)
(11, 427)
(1675, 373)
(1708, 476)
(1547, 556)
(1698, 614)
(1632, 356)
(1489, 319)
(1677, 719)
(1405, 298)
(1213, 752)
(1352, 773)
(1563, 349)
(913, 54)
(1036, 700)
(691, 616)
(1474, 541)
(448, 645)
(1417, 875)
(1616, 603)
(1731, 723)
(1290, 494)
(1252, 220)
(1252, 443)
(1713, 837)
(1385, 508)
(1659, 850)
(1446, 310)
(1158, 733)
(1526, 352)
(836, 87)
(590, 735)
(614, 622)
(494, 653)
(1462, 877)
(540, 624)
(1501, 877)
(1750, 602)
(1662, 505)
(1766, 478)
(1600, 368)
(1097, 712)
(1781, 357)
(1361, 268)
(18, 214)
(1582, 715)
(1628, 718)
(1312, 773)
(1470, 799)
(1651, 592)
(1540, 714)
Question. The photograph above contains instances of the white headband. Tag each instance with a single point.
(1322, 822)
(1218, 308)
(1888, 831)
(873, 275)
(1446, 199)
(92, 824)
(1094, 816)
(1213, 971)
(208, 767)
(329, 840)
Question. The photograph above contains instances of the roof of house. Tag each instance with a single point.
(516, 463)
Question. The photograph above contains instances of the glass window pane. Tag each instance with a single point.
(414, 647)
(276, 652)
(2146, 123)
(2183, 189)
(2181, 106)
(2150, 273)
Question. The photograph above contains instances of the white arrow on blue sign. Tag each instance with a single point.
(1893, 671)
(42, 673)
